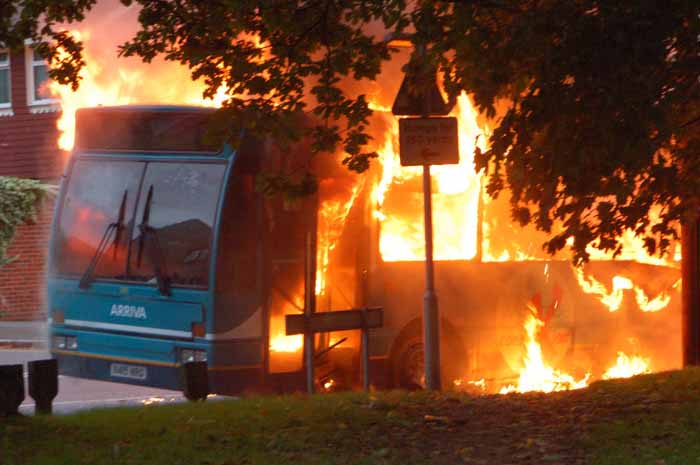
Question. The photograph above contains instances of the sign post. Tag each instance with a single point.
(423, 142)
(431, 318)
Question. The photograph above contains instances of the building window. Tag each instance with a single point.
(5, 98)
(38, 92)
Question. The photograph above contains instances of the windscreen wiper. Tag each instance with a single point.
(149, 240)
(117, 227)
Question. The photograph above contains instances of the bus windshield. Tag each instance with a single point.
(182, 208)
(181, 217)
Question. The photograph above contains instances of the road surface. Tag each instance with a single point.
(76, 394)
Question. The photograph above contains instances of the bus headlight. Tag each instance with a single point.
(187, 355)
(64, 342)
(193, 355)
(58, 342)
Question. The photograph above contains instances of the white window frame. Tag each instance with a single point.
(6, 107)
(36, 105)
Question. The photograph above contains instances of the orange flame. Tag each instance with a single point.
(455, 197)
(657, 303)
(613, 299)
(279, 341)
(633, 249)
(104, 80)
(536, 375)
(626, 367)
(332, 214)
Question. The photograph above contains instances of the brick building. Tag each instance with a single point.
(28, 148)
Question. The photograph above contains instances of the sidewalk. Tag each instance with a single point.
(23, 334)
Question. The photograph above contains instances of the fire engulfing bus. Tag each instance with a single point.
(163, 251)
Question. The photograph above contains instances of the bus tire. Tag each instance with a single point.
(407, 357)
(407, 364)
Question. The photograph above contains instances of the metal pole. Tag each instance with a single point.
(310, 293)
(365, 351)
(42, 376)
(431, 333)
(11, 389)
(308, 310)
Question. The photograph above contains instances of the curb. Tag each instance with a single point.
(26, 335)
(23, 344)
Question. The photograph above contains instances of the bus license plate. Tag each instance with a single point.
(120, 370)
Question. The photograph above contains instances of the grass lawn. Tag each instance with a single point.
(652, 419)
(648, 420)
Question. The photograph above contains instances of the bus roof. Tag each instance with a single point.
(145, 129)
(153, 108)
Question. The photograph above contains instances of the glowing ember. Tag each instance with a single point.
(481, 384)
(329, 384)
(153, 400)
(471, 385)
(536, 375)
(626, 367)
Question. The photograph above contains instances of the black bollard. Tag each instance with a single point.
(195, 380)
(11, 389)
(43, 384)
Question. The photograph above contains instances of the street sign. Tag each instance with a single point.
(420, 99)
(309, 324)
(339, 320)
(428, 141)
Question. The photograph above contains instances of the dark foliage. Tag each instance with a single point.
(596, 102)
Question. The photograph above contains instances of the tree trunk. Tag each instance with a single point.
(690, 270)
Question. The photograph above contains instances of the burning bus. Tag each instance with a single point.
(512, 318)
(163, 252)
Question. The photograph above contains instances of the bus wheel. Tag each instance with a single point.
(407, 358)
(408, 365)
